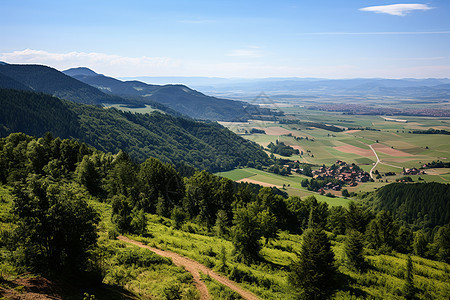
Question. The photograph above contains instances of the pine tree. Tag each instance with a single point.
(354, 250)
(314, 275)
(420, 244)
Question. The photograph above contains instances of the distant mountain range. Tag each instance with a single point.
(249, 88)
(83, 85)
(177, 97)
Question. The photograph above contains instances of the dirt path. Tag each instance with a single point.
(375, 165)
(194, 268)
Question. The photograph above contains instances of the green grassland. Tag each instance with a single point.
(143, 110)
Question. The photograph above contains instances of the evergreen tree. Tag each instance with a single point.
(354, 250)
(404, 240)
(442, 243)
(246, 233)
(420, 244)
(88, 176)
(313, 275)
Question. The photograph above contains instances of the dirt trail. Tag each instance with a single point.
(194, 268)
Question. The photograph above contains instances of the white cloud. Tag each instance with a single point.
(121, 66)
(396, 9)
(109, 64)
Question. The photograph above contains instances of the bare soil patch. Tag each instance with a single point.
(258, 182)
(389, 151)
(299, 148)
(354, 150)
(34, 288)
(352, 131)
(275, 130)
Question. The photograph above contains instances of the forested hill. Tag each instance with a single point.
(423, 205)
(178, 97)
(203, 145)
(50, 81)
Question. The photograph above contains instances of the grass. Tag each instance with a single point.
(268, 278)
(218, 291)
(236, 174)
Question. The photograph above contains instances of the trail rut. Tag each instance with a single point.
(195, 268)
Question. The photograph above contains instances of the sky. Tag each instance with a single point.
(243, 39)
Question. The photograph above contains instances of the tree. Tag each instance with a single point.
(88, 176)
(221, 226)
(354, 250)
(56, 227)
(356, 217)
(408, 288)
(246, 233)
(313, 275)
(138, 222)
(345, 193)
(267, 224)
(337, 219)
(381, 232)
(442, 243)
(404, 240)
(420, 243)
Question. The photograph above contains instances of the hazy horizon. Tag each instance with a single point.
(243, 39)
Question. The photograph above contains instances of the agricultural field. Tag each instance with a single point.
(290, 184)
(391, 138)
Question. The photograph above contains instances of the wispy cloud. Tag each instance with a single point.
(101, 62)
(396, 9)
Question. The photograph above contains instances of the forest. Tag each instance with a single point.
(52, 227)
(180, 141)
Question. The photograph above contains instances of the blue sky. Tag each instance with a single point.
(322, 38)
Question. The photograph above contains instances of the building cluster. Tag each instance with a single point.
(345, 173)
(413, 171)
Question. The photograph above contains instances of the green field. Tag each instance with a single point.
(291, 183)
(320, 148)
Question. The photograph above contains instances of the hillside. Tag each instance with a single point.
(89, 208)
(178, 97)
(172, 139)
(50, 81)
(422, 205)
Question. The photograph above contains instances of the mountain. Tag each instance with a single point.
(177, 97)
(9, 83)
(204, 145)
(407, 87)
(50, 81)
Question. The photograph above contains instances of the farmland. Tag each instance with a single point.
(395, 144)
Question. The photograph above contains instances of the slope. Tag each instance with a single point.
(178, 97)
(50, 81)
(173, 139)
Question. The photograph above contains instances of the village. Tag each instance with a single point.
(345, 173)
